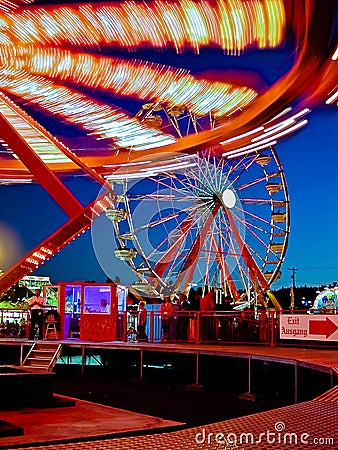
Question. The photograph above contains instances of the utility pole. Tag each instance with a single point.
(292, 293)
(293, 276)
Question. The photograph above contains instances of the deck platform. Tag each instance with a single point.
(307, 425)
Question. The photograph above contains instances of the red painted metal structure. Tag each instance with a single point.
(191, 259)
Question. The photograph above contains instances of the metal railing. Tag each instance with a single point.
(230, 327)
(258, 327)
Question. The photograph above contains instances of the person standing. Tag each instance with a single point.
(142, 322)
(36, 305)
(207, 303)
(207, 306)
(182, 318)
(167, 310)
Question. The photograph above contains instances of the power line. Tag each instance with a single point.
(315, 282)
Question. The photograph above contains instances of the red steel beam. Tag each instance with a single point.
(254, 271)
(191, 260)
(47, 179)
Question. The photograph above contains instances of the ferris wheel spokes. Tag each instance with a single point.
(254, 271)
(212, 222)
(190, 262)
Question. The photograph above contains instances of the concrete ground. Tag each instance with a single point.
(75, 423)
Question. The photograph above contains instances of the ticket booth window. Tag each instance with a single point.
(98, 319)
(97, 300)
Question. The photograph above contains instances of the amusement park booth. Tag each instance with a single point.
(89, 311)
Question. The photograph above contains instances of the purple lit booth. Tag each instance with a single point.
(89, 311)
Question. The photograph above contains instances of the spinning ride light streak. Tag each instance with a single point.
(128, 24)
(146, 81)
(97, 118)
(41, 142)
(232, 25)
(33, 53)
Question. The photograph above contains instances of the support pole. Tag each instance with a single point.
(296, 383)
(21, 355)
(249, 375)
(197, 369)
(141, 363)
(83, 360)
(248, 395)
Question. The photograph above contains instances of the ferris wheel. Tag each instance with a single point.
(202, 219)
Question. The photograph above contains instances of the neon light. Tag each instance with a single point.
(332, 98)
(99, 119)
(147, 81)
(234, 24)
(249, 149)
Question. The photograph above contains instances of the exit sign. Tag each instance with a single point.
(321, 327)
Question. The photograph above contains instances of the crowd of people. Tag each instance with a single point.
(175, 318)
(176, 313)
(15, 328)
(196, 318)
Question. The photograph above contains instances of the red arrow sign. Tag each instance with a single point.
(326, 327)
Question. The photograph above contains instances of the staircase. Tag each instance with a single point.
(42, 356)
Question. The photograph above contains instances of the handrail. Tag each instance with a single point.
(259, 327)
(28, 355)
(55, 358)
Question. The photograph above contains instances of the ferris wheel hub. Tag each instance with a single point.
(229, 198)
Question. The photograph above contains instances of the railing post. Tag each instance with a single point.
(151, 327)
(197, 327)
(28, 325)
(124, 326)
(272, 331)
(21, 354)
